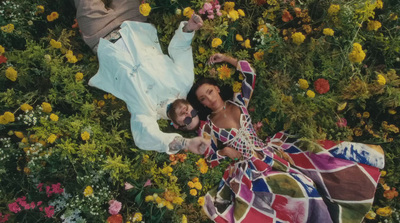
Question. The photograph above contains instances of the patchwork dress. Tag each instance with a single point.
(281, 180)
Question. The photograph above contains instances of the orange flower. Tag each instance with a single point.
(224, 72)
(286, 16)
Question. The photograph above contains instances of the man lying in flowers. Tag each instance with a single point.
(280, 179)
(134, 69)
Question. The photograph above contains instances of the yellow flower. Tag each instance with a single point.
(2, 50)
(393, 16)
(25, 107)
(188, 12)
(51, 138)
(190, 184)
(237, 86)
(39, 9)
(386, 211)
(381, 79)
(184, 219)
(241, 12)
(53, 16)
(303, 84)
(228, 6)
(239, 37)
(357, 131)
(224, 72)
(159, 200)
(19, 134)
(137, 217)
(310, 94)
(202, 50)
(145, 9)
(298, 38)
(46, 107)
(198, 185)
(55, 44)
(357, 55)
(101, 103)
(258, 55)
(149, 198)
(263, 28)
(328, 32)
(366, 115)
(9, 117)
(85, 135)
(341, 106)
(88, 191)
(392, 111)
(233, 15)
(373, 25)
(246, 44)
(216, 42)
(193, 192)
(308, 29)
(196, 179)
(201, 201)
(177, 200)
(379, 4)
(11, 74)
(333, 9)
(370, 215)
(78, 76)
(54, 117)
(169, 205)
(3, 120)
(383, 173)
(9, 28)
(70, 56)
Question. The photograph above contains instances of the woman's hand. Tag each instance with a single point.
(231, 153)
(216, 58)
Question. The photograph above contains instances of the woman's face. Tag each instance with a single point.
(208, 95)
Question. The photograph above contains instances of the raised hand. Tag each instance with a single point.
(198, 145)
(194, 23)
(216, 58)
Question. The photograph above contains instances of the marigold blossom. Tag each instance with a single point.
(237, 86)
(321, 85)
(233, 15)
(224, 72)
(201, 201)
(54, 117)
(26, 107)
(9, 117)
(46, 107)
(333, 9)
(188, 12)
(55, 44)
(11, 74)
(115, 219)
(357, 55)
(85, 136)
(137, 217)
(381, 79)
(310, 94)
(298, 38)
(39, 9)
(9, 28)
(303, 84)
(193, 192)
(241, 12)
(246, 44)
(51, 138)
(385, 211)
(78, 76)
(88, 191)
(373, 25)
(2, 50)
(19, 134)
(144, 9)
(53, 16)
(239, 37)
(328, 32)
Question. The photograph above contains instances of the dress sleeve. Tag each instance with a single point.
(248, 83)
(212, 156)
(148, 136)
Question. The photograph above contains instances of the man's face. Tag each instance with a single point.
(187, 117)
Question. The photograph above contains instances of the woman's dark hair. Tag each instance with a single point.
(226, 93)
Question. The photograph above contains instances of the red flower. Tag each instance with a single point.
(115, 219)
(321, 86)
(3, 59)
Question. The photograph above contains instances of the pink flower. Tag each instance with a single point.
(4, 218)
(207, 6)
(257, 126)
(39, 203)
(14, 207)
(115, 207)
(40, 187)
(211, 16)
(128, 186)
(148, 183)
(49, 211)
(342, 122)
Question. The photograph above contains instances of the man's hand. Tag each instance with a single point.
(198, 145)
(194, 23)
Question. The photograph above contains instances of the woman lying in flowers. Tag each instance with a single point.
(280, 180)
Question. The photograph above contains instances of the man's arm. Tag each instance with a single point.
(197, 145)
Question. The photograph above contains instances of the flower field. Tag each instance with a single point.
(326, 69)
